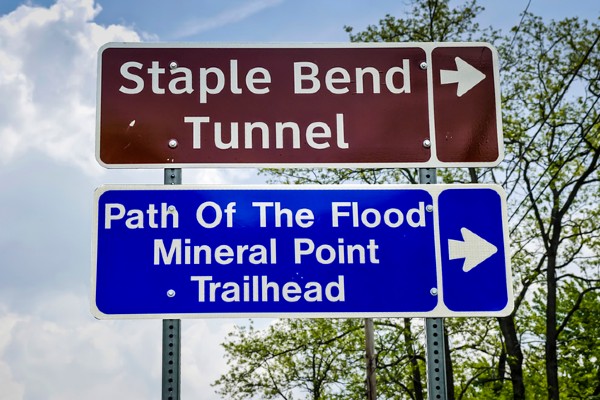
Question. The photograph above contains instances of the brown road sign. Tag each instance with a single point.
(355, 105)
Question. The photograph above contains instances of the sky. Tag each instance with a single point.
(50, 345)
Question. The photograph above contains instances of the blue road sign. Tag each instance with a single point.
(301, 251)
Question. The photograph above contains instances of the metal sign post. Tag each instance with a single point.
(436, 355)
(434, 331)
(171, 337)
(371, 359)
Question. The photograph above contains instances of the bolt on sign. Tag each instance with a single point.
(352, 105)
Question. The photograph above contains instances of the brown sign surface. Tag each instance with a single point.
(392, 105)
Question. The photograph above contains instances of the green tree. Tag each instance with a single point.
(552, 132)
(548, 347)
(291, 358)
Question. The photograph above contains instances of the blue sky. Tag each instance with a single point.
(286, 20)
(50, 345)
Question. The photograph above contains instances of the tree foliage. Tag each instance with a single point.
(549, 347)
(552, 129)
(291, 358)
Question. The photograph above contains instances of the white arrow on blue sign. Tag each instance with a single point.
(300, 251)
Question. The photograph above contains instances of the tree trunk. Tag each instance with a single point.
(414, 362)
(371, 359)
(449, 369)
(551, 331)
(515, 355)
(501, 373)
(597, 390)
(551, 285)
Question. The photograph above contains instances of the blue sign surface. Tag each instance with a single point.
(303, 251)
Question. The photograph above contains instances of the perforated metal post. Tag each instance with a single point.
(436, 363)
(171, 337)
(171, 356)
(434, 330)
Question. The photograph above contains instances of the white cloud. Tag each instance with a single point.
(48, 81)
(202, 359)
(44, 356)
(226, 17)
(11, 389)
(50, 346)
(76, 357)
(219, 176)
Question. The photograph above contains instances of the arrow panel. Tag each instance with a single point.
(465, 102)
(472, 235)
